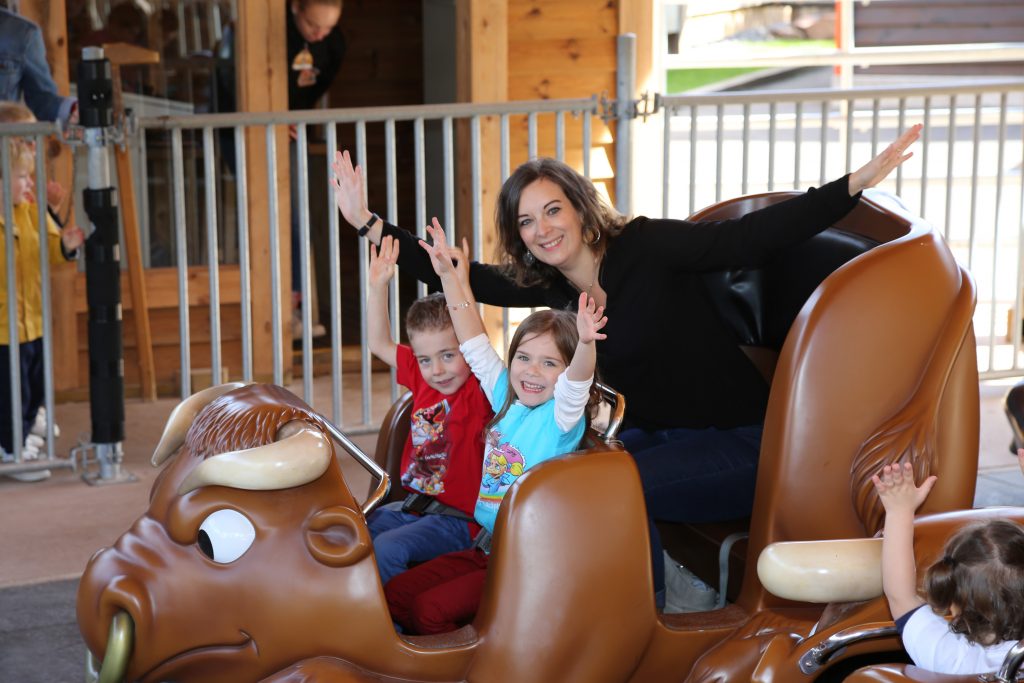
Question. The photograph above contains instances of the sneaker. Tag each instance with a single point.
(39, 426)
(35, 443)
(684, 591)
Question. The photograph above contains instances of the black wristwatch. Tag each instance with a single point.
(369, 224)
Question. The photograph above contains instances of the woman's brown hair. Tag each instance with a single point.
(561, 325)
(981, 573)
(600, 221)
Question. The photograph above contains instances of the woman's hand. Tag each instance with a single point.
(349, 195)
(440, 253)
(590, 318)
(875, 171)
(382, 264)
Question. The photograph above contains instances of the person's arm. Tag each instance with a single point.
(900, 498)
(37, 84)
(382, 268)
(489, 284)
(572, 390)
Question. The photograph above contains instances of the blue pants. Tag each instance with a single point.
(694, 475)
(32, 387)
(400, 538)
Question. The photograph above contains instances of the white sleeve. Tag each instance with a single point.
(571, 398)
(484, 361)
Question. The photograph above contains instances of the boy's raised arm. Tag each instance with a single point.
(382, 268)
(895, 486)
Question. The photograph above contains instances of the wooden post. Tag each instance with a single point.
(482, 76)
(261, 73)
(120, 54)
(52, 19)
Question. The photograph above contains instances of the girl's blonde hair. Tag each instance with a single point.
(22, 157)
(981, 573)
(561, 325)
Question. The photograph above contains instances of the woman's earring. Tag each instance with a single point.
(596, 238)
(528, 258)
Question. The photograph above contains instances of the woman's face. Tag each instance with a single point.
(549, 225)
(315, 21)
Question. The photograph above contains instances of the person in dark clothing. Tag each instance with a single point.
(696, 403)
(316, 49)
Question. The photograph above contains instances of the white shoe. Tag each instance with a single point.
(30, 451)
(39, 426)
(35, 442)
(684, 591)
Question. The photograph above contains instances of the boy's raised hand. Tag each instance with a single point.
(440, 254)
(895, 486)
(382, 264)
(590, 318)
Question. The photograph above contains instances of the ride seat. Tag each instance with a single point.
(806, 311)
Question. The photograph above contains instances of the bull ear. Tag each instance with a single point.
(338, 537)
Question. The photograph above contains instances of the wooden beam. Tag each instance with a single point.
(481, 76)
(51, 16)
(261, 74)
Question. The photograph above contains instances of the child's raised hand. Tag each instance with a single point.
(590, 318)
(440, 254)
(72, 237)
(1020, 458)
(895, 486)
(460, 256)
(382, 264)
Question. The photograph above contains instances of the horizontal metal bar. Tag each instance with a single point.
(25, 129)
(719, 58)
(368, 114)
(905, 91)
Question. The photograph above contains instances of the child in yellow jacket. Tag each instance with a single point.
(27, 285)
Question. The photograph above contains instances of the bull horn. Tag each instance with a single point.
(293, 461)
(184, 415)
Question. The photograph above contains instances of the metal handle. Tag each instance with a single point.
(618, 404)
(1011, 664)
(817, 656)
(119, 650)
(375, 470)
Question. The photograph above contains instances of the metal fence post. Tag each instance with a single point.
(625, 86)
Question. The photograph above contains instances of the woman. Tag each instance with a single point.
(696, 403)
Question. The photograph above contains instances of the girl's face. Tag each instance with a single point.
(549, 225)
(316, 20)
(533, 369)
(21, 188)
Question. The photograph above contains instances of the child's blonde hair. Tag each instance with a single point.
(981, 573)
(22, 156)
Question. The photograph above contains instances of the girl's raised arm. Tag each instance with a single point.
(465, 317)
(590, 318)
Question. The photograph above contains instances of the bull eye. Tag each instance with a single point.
(225, 535)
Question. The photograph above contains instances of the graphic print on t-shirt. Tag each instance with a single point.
(503, 463)
(429, 462)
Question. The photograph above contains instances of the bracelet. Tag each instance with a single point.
(455, 307)
(369, 224)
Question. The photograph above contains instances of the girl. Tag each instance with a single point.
(540, 402)
(978, 582)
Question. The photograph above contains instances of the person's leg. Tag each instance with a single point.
(6, 424)
(694, 476)
(33, 383)
(403, 591)
(419, 540)
(452, 604)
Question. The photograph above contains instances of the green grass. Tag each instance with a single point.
(681, 80)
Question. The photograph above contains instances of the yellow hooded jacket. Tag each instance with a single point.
(28, 280)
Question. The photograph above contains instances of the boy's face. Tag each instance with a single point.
(439, 359)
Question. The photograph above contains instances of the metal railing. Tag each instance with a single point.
(966, 178)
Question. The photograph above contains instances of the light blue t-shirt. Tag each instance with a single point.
(524, 437)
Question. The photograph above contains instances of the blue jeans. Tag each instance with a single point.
(694, 475)
(400, 538)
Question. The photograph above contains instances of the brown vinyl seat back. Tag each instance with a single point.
(876, 366)
(394, 432)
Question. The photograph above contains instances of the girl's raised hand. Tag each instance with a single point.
(440, 254)
(382, 264)
(348, 183)
(875, 171)
(461, 259)
(895, 486)
(590, 318)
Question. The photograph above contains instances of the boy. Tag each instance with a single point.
(28, 298)
(443, 458)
